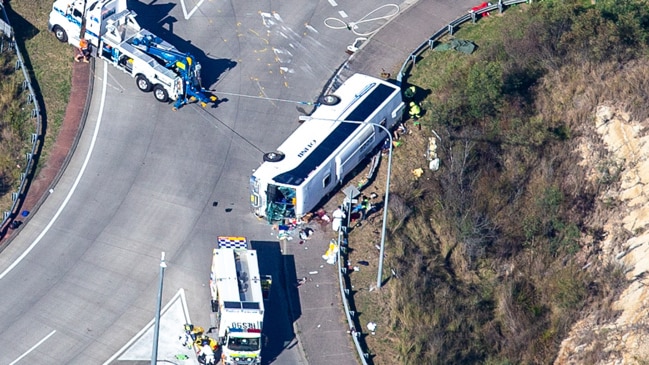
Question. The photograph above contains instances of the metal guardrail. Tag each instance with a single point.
(345, 289)
(345, 285)
(7, 37)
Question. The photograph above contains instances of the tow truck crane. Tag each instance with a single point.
(183, 64)
(116, 36)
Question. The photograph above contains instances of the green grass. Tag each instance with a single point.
(50, 67)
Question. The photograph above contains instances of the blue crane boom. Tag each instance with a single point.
(183, 64)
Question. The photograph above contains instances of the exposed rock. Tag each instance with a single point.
(621, 338)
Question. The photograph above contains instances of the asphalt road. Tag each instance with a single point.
(81, 279)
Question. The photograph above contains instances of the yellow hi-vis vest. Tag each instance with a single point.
(414, 109)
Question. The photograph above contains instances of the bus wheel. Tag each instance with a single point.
(329, 100)
(273, 156)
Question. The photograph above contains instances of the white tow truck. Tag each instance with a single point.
(238, 292)
(117, 37)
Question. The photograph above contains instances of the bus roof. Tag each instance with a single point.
(316, 139)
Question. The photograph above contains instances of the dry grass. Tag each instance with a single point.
(50, 68)
(14, 132)
(488, 251)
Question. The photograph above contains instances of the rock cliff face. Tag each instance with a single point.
(618, 333)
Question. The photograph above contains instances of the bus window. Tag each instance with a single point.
(326, 181)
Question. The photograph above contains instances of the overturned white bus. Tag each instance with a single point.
(315, 159)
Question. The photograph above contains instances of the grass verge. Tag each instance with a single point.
(50, 69)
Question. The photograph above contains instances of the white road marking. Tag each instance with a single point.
(74, 186)
(33, 348)
(189, 15)
(333, 3)
(343, 14)
(180, 294)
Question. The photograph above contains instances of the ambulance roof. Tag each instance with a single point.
(235, 273)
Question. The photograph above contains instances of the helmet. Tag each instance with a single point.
(412, 103)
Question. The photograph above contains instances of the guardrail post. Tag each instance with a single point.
(5, 215)
(14, 196)
(431, 43)
(352, 313)
(450, 29)
(34, 113)
(473, 16)
(23, 176)
(34, 137)
(501, 7)
(28, 156)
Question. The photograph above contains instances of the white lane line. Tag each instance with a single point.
(180, 294)
(343, 14)
(74, 186)
(333, 3)
(33, 348)
(189, 15)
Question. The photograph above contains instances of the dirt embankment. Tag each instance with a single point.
(618, 332)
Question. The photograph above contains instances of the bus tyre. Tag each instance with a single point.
(329, 100)
(273, 156)
(60, 34)
(160, 93)
(142, 83)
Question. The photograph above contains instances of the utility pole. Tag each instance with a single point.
(156, 331)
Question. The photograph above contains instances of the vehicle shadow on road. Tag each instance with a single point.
(155, 18)
(283, 304)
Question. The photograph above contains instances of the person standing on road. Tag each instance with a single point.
(338, 215)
